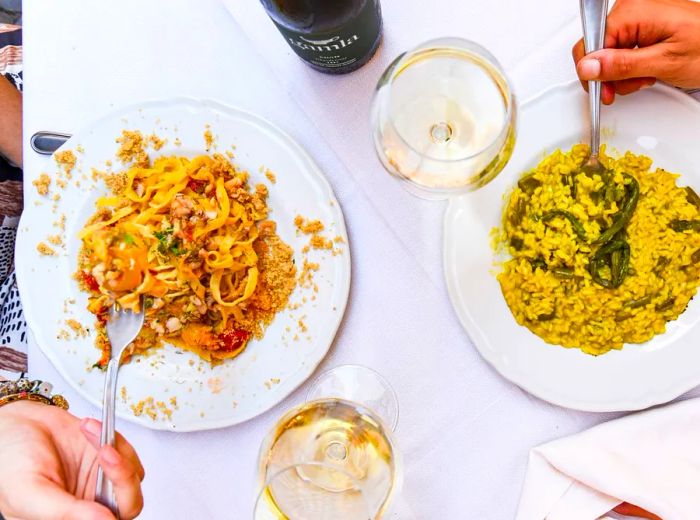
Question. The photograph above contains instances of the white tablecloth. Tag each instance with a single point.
(465, 432)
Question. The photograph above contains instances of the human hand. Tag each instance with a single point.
(645, 40)
(49, 466)
(630, 510)
(10, 122)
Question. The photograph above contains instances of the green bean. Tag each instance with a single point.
(610, 193)
(575, 223)
(518, 211)
(637, 304)
(624, 266)
(529, 183)
(695, 257)
(604, 257)
(565, 273)
(692, 196)
(685, 225)
(594, 267)
(616, 264)
(547, 317)
(660, 264)
(625, 214)
(538, 262)
(665, 305)
(570, 181)
(608, 248)
(517, 243)
(623, 315)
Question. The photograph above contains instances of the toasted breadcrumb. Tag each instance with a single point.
(308, 227)
(66, 160)
(42, 184)
(61, 222)
(208, 139)
(270, 176)
(116, 182)
(215, 385)
(77, 327)
(302, 325)
(45, 250)
(319, 242)
(55, 240)
(156, 142)
(131, 148)
(307, 272)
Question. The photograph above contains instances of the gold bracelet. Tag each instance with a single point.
(26, 390)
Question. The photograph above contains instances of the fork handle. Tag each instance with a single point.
(104, 493)
(593, 15)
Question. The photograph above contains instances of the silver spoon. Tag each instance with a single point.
(122, 328)
(47, 143)
(593, 16)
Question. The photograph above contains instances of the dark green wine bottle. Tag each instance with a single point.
(332, 36)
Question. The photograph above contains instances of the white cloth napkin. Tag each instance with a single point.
(650, 459)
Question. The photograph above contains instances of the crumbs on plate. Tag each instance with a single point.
(45, 250)
(154, 409)
(42, 184)
(66, 160)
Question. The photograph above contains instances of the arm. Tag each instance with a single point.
(10, 122)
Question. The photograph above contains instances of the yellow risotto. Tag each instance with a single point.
(599, 260)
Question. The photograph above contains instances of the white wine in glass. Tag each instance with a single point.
(327, 459)
(443, 118)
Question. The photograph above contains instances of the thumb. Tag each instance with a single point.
(125, 481)
(619, 64)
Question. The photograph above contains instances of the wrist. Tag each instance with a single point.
(25, 389)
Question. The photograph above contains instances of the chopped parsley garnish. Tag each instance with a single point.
(127, 238)
(177, 249)
(164, 238)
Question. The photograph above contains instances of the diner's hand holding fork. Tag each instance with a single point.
(645, 40)
(48, 466)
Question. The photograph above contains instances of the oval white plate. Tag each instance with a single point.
(268, 370)
(659, 122)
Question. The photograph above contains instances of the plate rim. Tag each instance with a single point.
(647, 400)
(306, 369)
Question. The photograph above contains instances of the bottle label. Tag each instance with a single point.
(342, 47)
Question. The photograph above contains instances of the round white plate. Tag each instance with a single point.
(268, 370)
(660, 122)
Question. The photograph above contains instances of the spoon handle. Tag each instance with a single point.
(593, 15)
(47, 143)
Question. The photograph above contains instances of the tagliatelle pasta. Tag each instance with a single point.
(194, 241)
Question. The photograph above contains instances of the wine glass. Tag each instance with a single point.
(444, 117)
(332, 457)
(312, 491)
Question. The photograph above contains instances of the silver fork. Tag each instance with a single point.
(593, 17)
(122, 328)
